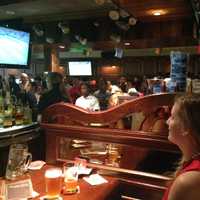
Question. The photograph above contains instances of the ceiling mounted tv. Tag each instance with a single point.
(80, 68)
(14, 48)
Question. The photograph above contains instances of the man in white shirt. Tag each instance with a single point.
(87, 101)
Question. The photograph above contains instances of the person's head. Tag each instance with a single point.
(102, 85)
(54, 79)
(12, 79)
(24, 78)
(184, 122)
(85, 89)
(122, 80)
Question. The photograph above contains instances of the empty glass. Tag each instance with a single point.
(18, 160)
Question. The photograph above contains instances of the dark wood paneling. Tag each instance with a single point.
(141, 9)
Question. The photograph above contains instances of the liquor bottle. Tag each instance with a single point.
(8, 112)
(27, 115)
(19, 113)
(1, 109)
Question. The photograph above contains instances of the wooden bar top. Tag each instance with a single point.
(104, 191)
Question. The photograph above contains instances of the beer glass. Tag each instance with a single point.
(18, 160)
(53, 182)
(70, 178)
(113, 155)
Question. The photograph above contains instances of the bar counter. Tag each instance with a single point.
(105, 191)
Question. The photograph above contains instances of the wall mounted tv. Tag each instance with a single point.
(14, 48)
(80, 68)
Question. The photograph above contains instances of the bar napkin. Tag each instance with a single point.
(36, 165)
(95, 179)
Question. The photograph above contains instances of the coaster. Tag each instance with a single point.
(72, 192)
(46, 198)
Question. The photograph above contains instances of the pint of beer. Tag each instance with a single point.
(53, 182)
(70, 178)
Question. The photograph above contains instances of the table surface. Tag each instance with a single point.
(87, 191)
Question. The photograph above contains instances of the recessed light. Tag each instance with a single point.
(61, 46)
(156, 13)
(127, 43)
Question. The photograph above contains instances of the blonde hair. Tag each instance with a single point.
(189, 109)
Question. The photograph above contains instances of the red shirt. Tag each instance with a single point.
(194, 165)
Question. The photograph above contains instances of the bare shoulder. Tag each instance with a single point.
(186, 186)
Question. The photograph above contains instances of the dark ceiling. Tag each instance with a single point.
(79, 13)
(46, 10)
(31, 10)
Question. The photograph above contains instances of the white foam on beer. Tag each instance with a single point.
(53, 173)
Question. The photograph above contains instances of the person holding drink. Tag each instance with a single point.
(184, 131)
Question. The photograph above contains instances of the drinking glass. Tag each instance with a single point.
(113, 155)
(70, 178)
(18, 160)
(53, 182)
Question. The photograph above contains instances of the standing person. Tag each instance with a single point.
(14, 87)
(55, 93)
(87, 101)
(25, 84)
(184, 131)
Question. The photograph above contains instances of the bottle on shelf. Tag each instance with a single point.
(8, 111)
(27, 118)
(19, 113)
(1, 109)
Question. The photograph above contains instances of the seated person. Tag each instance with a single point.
(156, 121)
(87, 101)
(184, 131)
(102, 94)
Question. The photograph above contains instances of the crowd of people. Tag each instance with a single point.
(92, 95)
(96, 95)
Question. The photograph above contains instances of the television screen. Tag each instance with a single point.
(14, 48)
(80, 68)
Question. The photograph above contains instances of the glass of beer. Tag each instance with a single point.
(70, 178)
(53, 182)
(113, 155)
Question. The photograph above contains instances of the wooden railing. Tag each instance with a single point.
(64, 123)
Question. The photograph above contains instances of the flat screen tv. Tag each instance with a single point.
(80, 68)
(14, 48)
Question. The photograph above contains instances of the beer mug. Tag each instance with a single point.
(18, 160)
(53, 182)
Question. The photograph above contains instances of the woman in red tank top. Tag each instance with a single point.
(184, 131)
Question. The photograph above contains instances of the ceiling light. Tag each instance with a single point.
(132, 21)
(158, 12)
(61, 46)
(100, 2)
(127, 43)
(114, 15)
(113, 67)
